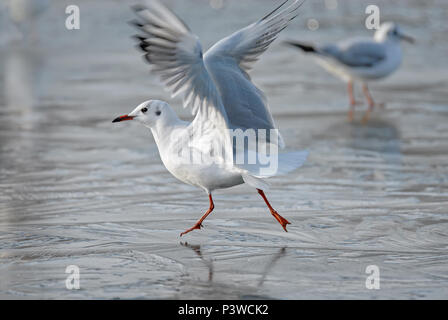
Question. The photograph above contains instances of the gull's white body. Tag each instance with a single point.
(206, 176)
(219, 91)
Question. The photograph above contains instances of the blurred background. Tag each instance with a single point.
(77, 190)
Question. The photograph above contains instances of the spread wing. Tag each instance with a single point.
(246, 45)
(230, 59)
(217, 87)
(175, 53)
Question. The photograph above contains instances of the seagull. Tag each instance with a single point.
(218, 89)
(361, 59)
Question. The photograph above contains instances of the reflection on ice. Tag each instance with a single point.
(22, 74)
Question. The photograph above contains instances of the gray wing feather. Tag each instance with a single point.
(176, 55)
(230, 59)
(356, 52)
(246, 45)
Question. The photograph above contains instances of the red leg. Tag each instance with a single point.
(278, 217)
(198, 224)
(370, 102)
(353, 102)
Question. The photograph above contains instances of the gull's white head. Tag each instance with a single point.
(149, 113)
(390, 31)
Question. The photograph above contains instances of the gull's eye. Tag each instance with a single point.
(158, 113)
(144, 110)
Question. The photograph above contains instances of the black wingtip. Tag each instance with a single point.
(273, 11)
(138, 37)
(143, 46)
(147, 58)
(136, 23)
(305, 47)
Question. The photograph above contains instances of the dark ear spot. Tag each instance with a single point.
(158, 113)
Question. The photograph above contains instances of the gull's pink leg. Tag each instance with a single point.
(353, 102)
(370, 102)
(198, 224)
(278, 217)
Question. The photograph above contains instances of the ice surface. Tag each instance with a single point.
(76, 189)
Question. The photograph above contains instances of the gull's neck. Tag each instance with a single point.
(165, 132)
(383, 38)
(165, 126)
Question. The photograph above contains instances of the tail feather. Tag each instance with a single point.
(287, 162)
(305, 47)
(255, 182)
(290, 161)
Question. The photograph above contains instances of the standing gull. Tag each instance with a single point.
(361, 59)
(219, 91)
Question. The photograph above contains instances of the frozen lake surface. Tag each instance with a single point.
(76, 189)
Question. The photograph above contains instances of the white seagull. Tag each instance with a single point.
(222, 97)
(361, 59)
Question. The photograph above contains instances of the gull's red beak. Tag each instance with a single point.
(123, 118)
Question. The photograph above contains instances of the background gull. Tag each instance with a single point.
(219, 91)
(361, 59)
